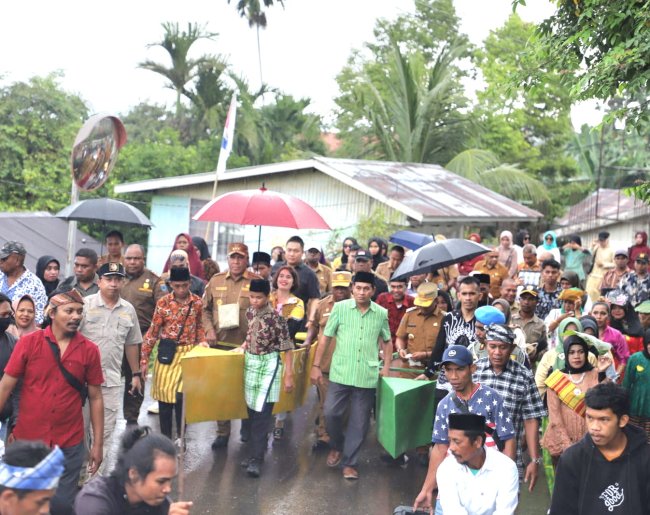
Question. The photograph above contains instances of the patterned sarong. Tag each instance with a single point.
(168, 379)
(262, 375)
(569, 393)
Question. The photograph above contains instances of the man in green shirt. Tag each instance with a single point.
(360, 327)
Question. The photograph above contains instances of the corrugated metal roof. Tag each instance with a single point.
(425, 192)
(42, 235)
(602, 208)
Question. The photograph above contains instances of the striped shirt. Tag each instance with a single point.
(357, 342)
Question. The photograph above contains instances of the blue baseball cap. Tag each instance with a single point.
(458, 355)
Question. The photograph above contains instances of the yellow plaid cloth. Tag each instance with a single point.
(569, 393)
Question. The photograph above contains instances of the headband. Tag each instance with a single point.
(43, 476)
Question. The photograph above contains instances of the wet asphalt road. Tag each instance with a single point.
(295, 479)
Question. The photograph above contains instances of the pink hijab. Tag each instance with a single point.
(14, 329)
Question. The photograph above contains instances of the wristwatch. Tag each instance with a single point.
(537, 461)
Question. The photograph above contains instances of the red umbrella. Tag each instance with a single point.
(261, 207)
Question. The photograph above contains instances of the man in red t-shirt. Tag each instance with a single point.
(50, 407)
(396, 302)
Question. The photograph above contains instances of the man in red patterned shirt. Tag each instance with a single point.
(50, 406)
(396, 302)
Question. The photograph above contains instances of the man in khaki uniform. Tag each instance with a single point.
(142, 288)
(497, 272)
(340, 291)
(228, 292)
(417, 333)
(532, 326)
(395, 257)
(323, 273)
(416, 338)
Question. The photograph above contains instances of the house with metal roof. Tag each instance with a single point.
(425, 197)
(42, 234)
(605, 210)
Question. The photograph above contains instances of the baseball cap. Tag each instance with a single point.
(642, 257)
(621, 252)
(530, 289)
(111, 269)
(237, 248)
(12, 247)
(362, 255)
(341, 279)
(458, 355)
(427, 293)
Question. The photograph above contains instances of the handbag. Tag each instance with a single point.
(228, 316)
(72, 380)
(167, 346)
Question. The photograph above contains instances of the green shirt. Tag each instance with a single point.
(357, 342)
(637, 382)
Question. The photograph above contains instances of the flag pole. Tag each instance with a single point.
(226, 148)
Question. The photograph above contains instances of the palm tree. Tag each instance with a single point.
(252, 10)
(413, 107)
(177, 43)
(484, 168)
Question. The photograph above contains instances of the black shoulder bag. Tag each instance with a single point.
(463, 408)
(72, 380)
(167, 346)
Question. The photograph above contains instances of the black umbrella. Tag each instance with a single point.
(438, 255)
(104, 210)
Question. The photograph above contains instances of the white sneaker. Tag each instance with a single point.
(153, 408)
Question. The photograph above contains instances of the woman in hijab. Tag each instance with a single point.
(341, 262)
(210, 266)
(565, 397)
(637, 382)
(24, 316)
(549, 244)
(507, 253)
(47, 270)
(184, 242)
(623, 317)
(640, 246)
(377, 248)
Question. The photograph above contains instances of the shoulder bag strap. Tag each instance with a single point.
(180, 333)
(72, 380)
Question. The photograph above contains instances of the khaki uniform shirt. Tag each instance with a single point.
(384, 270)
(535, 332)
(110, 330)
(323, 310)
(107, 259)
(143, 292)
(223, 289)
(324, 276)
(419, 331)
(497, 275)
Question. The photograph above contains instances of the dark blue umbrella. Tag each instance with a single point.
(410, 240)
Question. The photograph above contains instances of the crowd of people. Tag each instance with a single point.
(535, 349)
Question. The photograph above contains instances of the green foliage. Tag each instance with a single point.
(377, 223)
(38, 123)
(401, 98)
(483, 167)
(527, 126)
(602, 49)
(253, 10)
(183, 69)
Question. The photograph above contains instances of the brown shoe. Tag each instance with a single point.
(350, 473)
(333, 458)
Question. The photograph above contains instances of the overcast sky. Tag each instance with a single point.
(98, 46)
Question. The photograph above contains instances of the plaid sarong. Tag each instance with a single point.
(567, 392)
(262, 373)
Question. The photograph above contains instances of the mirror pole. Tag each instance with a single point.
(72, 232)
